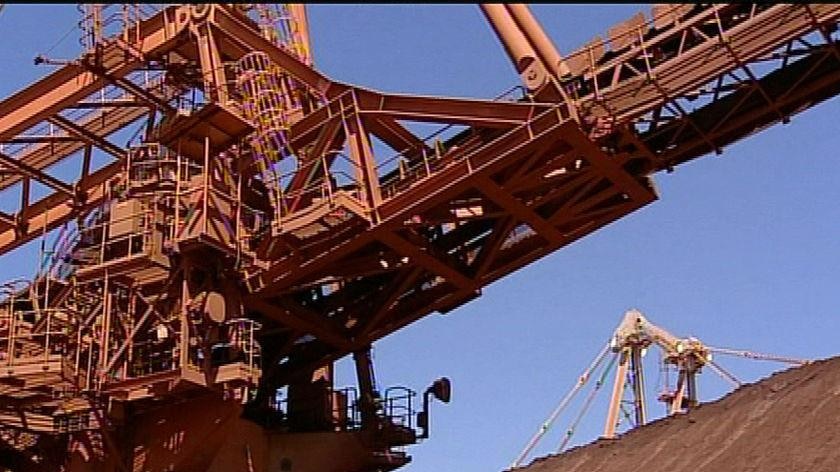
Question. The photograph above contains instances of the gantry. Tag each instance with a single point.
(628, 345)
(248, 235)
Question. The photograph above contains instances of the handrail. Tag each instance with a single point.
(466, 154)
(398, 405)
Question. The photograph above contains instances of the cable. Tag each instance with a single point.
(587, 404)
(74, 28)
(582, 380)
(678, 350)
(758, 356)
(725, 374)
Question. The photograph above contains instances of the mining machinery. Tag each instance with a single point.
(204, 278)
(628, 345)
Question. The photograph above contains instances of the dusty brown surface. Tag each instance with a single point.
(788, 422)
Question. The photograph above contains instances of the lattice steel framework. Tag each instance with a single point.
(244, 154)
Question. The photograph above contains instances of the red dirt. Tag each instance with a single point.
(788, 422)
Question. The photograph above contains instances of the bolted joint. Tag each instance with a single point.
(200, 12)
(80, 196)
(21, 226)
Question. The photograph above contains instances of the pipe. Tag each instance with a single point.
(520, 52)
(535, 34)
(560, 407)
(298, 13)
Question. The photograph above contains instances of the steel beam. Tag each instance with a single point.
(301, 320)
(461, 111)
(43, 156)
(240, 38)
(421, 256)
(57, 208)
(73, 83)
(394, 134)
(36, 174)
(88, 136)
(519, 210)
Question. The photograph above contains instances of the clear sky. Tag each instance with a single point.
(742, 250)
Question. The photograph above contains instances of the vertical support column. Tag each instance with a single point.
(676, 402)
(617, 394)
(78, 353)
(177, 200)
(301, 29)
(686, 387)
(205, 196)
(25, 186)
(183, 353)
(363, 161)
(691, 381)
(48, 314)
(92, 24)
(106, 328)
(12, 330)
(212, 68)
(129, 355)
(367, 386)
(638, 386)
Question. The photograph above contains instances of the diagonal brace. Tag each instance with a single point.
(36, 174)
(507, 201)
(88, 136)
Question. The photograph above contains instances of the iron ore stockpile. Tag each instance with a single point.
(786, 422)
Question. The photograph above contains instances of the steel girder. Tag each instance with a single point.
(520, 181)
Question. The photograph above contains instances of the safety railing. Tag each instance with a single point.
(20, 343)
(101, 21)
(333, 179)
(438, 158)
(11, 290)
(238, 345)
(152, 168)
(150, 356)
(640, 45)
(241, 344)
(398, 406)
(343, 412)
(74, 422)
(121, 236)
(410, 168)
(90, 109)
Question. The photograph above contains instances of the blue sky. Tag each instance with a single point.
(742, 250)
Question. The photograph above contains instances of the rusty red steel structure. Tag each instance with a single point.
(251, 210)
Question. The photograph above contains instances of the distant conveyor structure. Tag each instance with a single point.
(782, 423)
(633, 337)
